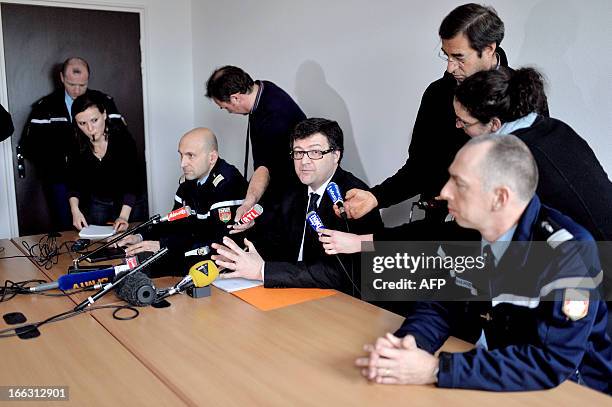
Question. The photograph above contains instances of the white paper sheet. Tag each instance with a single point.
(235, 284)
(96, 232)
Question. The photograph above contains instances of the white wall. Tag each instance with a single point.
(367, 63)
(360, 62)
(168, 92)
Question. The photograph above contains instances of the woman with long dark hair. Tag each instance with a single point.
(571, 178)
(103, 169)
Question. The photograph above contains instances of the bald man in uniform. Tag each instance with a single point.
(213, 190)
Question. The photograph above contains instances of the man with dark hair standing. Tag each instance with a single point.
(272, 116)
(295, 258)
(471, 35)
(48, 138)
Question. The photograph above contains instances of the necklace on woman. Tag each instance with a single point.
(99, 148)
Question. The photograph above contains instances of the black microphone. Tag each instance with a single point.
(430, 204)
(75, 263)
(333, 190)
(137, 289)
(90, 300)
(426, 205)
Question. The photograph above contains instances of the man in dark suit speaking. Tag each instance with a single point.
(294, 256)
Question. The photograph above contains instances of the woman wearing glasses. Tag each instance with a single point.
(571, 179)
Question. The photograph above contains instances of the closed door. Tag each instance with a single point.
(37, 40)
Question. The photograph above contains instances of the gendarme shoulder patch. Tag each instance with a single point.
(218, 179)
(575, 303)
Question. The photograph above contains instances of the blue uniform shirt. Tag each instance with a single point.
(532, 342)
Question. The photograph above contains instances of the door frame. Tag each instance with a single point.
(6, 147)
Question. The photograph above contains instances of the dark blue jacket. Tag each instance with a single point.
(271, 124)
(532, 343)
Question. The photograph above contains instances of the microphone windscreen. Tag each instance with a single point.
(314, 221)
(334, 192)
(137, 289)
(258, 209)
(203, 273)
(85, 279)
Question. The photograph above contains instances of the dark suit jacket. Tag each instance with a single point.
(280, 244)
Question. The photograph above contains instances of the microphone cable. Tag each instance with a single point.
(354, 286)
(46, 252)
(12, 289)
(352, 275)
(31, 326)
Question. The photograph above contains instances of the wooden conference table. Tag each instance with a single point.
(222, 351)
(78, 352)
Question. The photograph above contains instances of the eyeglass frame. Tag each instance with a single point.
(307, 153)
(447, 58)
(464, 124)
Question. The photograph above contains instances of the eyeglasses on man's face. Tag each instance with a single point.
(312, 154)
(459, 60)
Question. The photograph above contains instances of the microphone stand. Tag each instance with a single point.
(90, 300)
(85, 256)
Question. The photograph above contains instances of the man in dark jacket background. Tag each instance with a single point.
(471, 35)
(272, 115)
(49, 138)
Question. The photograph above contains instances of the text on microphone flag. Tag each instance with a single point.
(334, 192)
(315, 222)
(178, 214)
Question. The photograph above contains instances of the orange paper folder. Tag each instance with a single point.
(267, 299)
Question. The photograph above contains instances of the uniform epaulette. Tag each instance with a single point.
(555, 234)
(217, 179)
